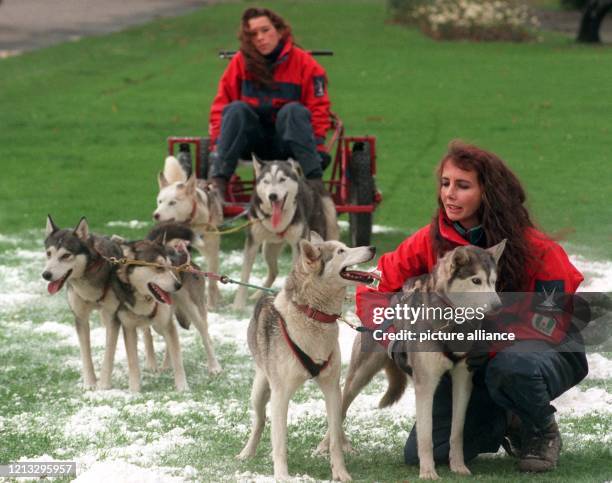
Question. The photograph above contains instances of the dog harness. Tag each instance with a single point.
(311, 366)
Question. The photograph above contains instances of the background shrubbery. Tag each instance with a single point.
(468, 19)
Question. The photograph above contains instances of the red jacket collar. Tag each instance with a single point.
(447, 230)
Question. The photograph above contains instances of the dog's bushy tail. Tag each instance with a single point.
(398, 381)
(173, 170)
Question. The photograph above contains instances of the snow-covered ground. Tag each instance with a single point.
(139, 458)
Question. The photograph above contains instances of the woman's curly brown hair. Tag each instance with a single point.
(256, 63)
(502, 213)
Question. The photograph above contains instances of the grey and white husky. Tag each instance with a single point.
(284, 209)
(194, 202)
(464, 277)
(145, 301)
(75, 257)
(294, 337)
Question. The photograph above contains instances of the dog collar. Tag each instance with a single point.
(311, 366)
(194, 209)
(317, 315)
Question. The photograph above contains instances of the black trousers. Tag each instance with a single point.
(523, 378)
(243, 132)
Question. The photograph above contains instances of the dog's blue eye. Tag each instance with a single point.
(476, 281)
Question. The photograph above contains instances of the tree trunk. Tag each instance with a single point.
(593, 15)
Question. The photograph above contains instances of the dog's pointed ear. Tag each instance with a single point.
(310, 255)
(460, 257)
(191, 184)
(162, 181)
(122, 271)
(315, 237)
(257, 164)
(82, 229)
(296, 167)
(497, 250)
(51, 226)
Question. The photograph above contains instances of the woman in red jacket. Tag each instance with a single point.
(481, 202)
(272, 100)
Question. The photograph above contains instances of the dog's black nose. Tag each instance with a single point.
(47, 275)
(177, 285)
(372, 249)
(156, 216)
(273, 197)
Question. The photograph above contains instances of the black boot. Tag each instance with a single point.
(540, 449)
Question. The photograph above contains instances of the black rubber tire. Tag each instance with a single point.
(204, 161)
(361, 192)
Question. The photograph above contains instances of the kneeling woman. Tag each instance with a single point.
(481, 202)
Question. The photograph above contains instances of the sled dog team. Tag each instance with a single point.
(292, 336)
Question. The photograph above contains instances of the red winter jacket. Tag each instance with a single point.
(415, 256)
(298, 77)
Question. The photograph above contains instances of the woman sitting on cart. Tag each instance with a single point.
(272, 100)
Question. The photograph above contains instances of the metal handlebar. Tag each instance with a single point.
(228, 54)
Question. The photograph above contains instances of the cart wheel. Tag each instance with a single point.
(204, 161)
(361, 192)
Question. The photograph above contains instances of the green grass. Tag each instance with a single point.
(44, 411)
(84, 124)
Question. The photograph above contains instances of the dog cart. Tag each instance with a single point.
(351, 182)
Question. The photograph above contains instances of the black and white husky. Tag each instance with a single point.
(466, 277)
(75, 257)
(191, 201)
(284, 209)
(294, 337)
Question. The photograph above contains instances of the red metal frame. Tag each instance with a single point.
(239, 191)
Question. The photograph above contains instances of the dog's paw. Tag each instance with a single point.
(245, 454)
(182, 386)
(90, 385)
(429, 474)
(341, 475)
(215, 369)
(103, 385)
(281, 476)
(460, 469)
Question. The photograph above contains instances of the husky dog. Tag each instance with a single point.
(192, 202)
(284, 208)
(75, 258)
(189, 301)
(464, 276)
(145, 301)
(294, 337)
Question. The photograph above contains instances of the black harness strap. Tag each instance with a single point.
(311, 366)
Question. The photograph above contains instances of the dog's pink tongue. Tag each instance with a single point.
(53, 287)
(277, 213)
